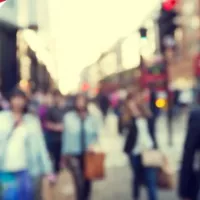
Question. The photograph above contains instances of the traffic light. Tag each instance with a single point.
(166, 21)
(143, 33)
(169, 4)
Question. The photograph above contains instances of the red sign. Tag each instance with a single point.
(155, 76)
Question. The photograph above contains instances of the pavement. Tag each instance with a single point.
(117, 184)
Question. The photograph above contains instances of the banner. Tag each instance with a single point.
(2, 2)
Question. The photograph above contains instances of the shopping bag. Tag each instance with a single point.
(94, 168)
(166, 176)
(152, 158)
(66, 187)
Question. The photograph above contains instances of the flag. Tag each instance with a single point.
(2, 2)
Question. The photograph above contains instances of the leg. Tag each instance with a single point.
(87, 184)
(150, 179)
(136, 167)
(87, 189)
(55, 152)
(26, 191)
(57, 156)
(152, 130)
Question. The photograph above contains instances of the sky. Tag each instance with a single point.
(82, 30)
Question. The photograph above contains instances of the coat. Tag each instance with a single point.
(71, 137)
(38, 159)
(189, 177)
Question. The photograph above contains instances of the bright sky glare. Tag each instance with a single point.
(84, 29)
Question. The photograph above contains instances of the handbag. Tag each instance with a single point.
(94, 165)
(152, 158)
(93, 161)
(166, 177)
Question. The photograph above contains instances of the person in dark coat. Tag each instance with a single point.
(189, 173)
(152, 120)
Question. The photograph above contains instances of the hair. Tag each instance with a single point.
(86, 102)
(16, 92)
(143, 110)
(56, 92)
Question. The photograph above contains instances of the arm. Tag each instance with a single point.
(67, 138)
(50, 125)
(190, 147)
(43, 154)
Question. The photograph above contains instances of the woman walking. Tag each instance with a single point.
(81, 129)
(23, 152)
(134, 121)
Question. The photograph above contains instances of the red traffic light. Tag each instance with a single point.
(169, 5)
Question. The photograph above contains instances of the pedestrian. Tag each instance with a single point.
(138, 140)
(104, 104)
(24, 156)
(189, 186)
(152, 119)
(46, 104)
(81, 130)
(54, 127)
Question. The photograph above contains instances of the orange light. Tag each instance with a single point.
(85, 87)
(23, 84)
(161, 103)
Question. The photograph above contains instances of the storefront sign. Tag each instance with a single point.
(154, 76)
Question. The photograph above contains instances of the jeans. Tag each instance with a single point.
(152, 130)
(54, 148)
(16, 185)
(86, 184)
(143, 175)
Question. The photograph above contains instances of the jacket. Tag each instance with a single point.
(189, 177)
(132, 134)
(38, 159)
(71, 137)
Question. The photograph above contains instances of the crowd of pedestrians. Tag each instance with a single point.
(42, 133)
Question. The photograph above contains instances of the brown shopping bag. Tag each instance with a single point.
(94, 165)
(166, 176)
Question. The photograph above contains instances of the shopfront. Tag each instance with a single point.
(9, 74)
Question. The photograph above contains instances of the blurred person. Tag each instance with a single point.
(152, 119)
(104, 104)
(134, 122)
(23, 152)
(189, 186)
(5, 104)
(46, 104)
(53, 124)
(80, 133)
